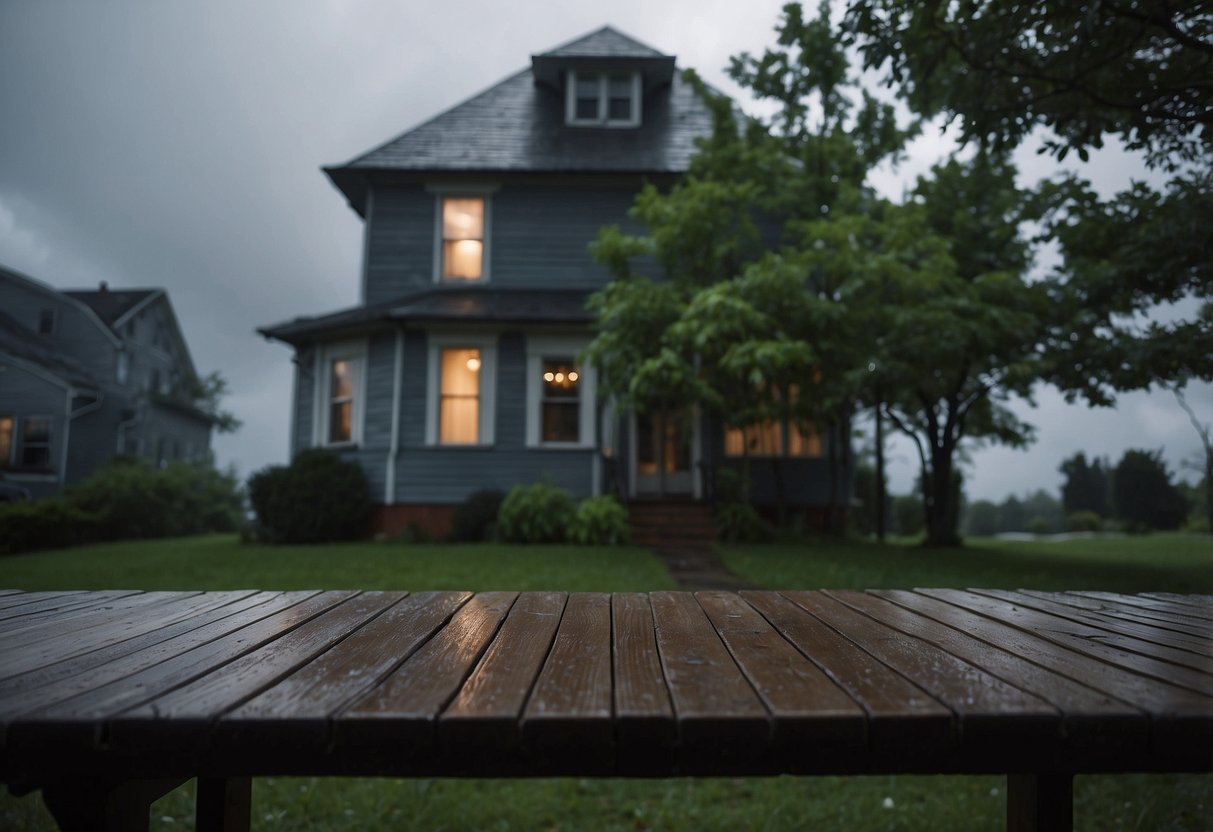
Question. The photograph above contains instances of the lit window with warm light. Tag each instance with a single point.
(459, 397)
(463, 238)
(341, 401)
(560, 400)
(769, 437)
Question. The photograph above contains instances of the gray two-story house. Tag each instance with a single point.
(458, 369)
(88, 374)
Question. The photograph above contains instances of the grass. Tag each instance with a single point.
(1157, 562)
(1183, 803)
(222, 562)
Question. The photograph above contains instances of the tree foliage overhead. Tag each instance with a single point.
(1136, 70)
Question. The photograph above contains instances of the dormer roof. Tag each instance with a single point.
(604, 49)
(519, 125)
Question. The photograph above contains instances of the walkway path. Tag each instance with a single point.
(696, 566)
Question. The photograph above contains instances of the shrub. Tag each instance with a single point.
(535, 513)
(476, 517)
(741, 523)
(599, 521)
(131, 499)
(51, 523)
(318, 498)
(1084, 521)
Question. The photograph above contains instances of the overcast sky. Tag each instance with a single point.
(178, 143)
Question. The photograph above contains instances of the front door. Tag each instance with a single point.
(664, 463)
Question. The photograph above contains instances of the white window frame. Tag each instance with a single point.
(354, 352)
(604, 95)
(537, 350)
(483, 192)
(487, 344)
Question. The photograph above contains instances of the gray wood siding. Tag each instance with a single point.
(77, 333)
(377, 414)
(305, 390)
(541, 235)
(399, 243)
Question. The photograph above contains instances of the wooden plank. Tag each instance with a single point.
(1203, 613)
(223, 804)
(1090, 716)
(1078, 637)
(182, 716)
(813, 719)
(903, 719)
(1202, 601)
(995, 718)
(60, 604)
(397, 718)
(1132, 629)
(104, 805)
(85, 627)
(80, 719)
(481, 724)
(645, 732)
(1136, 615)
(566, 726)
(722, 724)
(293, 713)
(1178, 716)
(68, 670)
(20, 599)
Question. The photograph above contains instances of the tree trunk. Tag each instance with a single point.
(940, 503)
(880, 492)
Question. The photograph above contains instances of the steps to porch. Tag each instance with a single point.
(663, 523)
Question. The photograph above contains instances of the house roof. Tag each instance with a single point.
(470, 304)
(518, 125)
(22, 343)
(111, 305)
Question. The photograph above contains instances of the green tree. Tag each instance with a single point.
(1143, 495)
(1086, 485)
(206, 393)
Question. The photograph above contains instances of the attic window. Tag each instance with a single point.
(603, 99)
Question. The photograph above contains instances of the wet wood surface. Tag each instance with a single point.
(169, 684)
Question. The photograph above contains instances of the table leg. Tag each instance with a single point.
(120, 806)
(1040, 802)
(224, 804)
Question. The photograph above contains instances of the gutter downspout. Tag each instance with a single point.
(389, 485)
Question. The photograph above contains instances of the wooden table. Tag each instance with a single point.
(108, 699)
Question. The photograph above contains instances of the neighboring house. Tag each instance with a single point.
(85, 375)
(458, 370)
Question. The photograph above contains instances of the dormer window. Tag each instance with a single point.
(603, 99)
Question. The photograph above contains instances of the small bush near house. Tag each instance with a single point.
(52, 523)
(318, 498)
(741, 523)
(599, 521)
(535, 513)
(475, 519)
(126, 499)
(131, 500)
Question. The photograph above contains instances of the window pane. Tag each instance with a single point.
(6, 440)
(341, 421)
(37, 429)
(561, 421)
(762, 439)
(460, 372)
(459, 420)
(561, 379)
(803, 441)
(619, 104)
(462, 259)
(463, 218)
(342, 382)
(459, 400)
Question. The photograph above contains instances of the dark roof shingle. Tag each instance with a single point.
(607, 42)
(21, 342)
(111, 304)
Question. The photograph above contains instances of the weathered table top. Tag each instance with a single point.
(504, 683)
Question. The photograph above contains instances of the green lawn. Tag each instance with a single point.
(1128, 802)
(1157, 562)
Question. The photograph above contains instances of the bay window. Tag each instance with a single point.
(560, 395)
(340, 393)
(460, 407)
